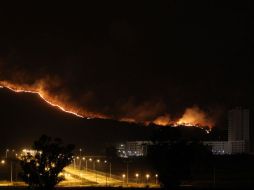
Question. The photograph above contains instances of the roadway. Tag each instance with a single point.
(94, 177)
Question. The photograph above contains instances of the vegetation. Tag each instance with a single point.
(42, 170)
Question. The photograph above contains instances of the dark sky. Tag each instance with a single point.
(135, 60)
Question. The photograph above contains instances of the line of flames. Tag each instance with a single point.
(18, 89)
(43, 98)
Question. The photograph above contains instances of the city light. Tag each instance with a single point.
(2, 161)
(156, 180)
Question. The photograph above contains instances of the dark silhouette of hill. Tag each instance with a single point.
(24, 117)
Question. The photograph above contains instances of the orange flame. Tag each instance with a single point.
(192, 117)
(42, 93)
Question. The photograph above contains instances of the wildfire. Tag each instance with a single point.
(192, 117)
(40, 92)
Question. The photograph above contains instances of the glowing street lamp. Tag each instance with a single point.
(6, 153)
(84, 159)
(147, 177)
(106, 162)
(98, 161)
(2, 162)
(80, 154)
(123, 176)
(137, 176)
(156, 178)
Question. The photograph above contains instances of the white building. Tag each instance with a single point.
(238, 134)
(218, 147)
(226, 147)
(239, 128)
(132, 148)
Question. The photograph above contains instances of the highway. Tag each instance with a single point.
(92, 177)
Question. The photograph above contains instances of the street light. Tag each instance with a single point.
(137, 175)
(123, 176)
(156, 178)
(90, 159)
(109, 167)
(98, 161)
(147, 177)
(84, 159)
(80, 151)
(6, 153)
(11, 171)
(3, 163)
(76, 163)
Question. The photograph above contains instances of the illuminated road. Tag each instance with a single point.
(96, 178)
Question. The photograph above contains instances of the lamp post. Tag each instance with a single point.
(11, 171)
(74, 162)
(127, 173)
(123, 176)
(90, 159)
(110, 169)
(147, 177)
(105, 161)
(156, 178)
(3, 163)
(84, 159)
(109, 163)
(6, 153)
(98, 161)
(77, 162)
(137, 175)
(80, 152)
(86, 165)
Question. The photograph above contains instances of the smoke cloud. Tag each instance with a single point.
(192, 116)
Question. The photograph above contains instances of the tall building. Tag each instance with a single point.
(239, 129)
(238, 134)
(238, 125)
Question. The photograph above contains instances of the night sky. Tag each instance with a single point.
(134, 60)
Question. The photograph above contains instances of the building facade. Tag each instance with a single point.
(132, 148)
(238, 134)
(239, 129)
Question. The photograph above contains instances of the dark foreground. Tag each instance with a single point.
(119, 188)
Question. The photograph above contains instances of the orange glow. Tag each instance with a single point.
(163, 120)
(192, 117)
(44, 95)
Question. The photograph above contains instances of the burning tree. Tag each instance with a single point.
(41, 170)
